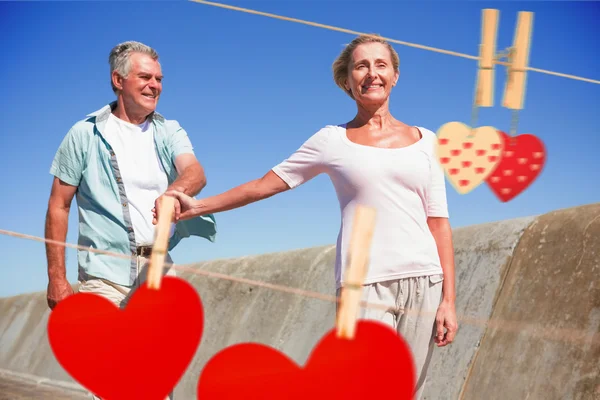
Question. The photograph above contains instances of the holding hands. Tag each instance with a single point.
(184, 206)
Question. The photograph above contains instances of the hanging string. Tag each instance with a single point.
(474, 117)
(557, 334)
(514, 123)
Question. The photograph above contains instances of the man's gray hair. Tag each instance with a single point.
(119, 58)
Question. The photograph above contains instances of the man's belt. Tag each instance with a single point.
(143, 251)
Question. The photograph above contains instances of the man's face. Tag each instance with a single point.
(143, 85)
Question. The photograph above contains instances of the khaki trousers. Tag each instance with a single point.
(120, 295)
(410, 308)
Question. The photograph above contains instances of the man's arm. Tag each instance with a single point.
(57, 221)
(191, 181)
(446, 315)
(191, 178)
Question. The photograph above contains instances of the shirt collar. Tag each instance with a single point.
(103, 113)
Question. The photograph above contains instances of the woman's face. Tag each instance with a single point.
(371, 74)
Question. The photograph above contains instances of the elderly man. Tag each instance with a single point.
(118, 162)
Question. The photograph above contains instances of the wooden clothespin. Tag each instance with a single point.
(357, 265)
(484, 93)
(514, 93)
(161, 240)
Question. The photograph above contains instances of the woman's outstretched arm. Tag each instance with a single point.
(269, 185)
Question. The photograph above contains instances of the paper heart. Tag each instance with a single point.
(377, 363)
(468, 156)
(139, 352)
(522, 162)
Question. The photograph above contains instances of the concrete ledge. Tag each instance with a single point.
(537, 270)
(37, 384)
(552, 295)
(482, 256)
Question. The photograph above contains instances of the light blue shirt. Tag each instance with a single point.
(86, 160)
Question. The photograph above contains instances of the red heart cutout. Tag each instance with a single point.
(139, 352)
(522, 161)
(377, 363)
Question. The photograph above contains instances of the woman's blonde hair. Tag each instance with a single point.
(342, 62)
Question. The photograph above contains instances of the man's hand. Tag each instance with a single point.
(176, 212)
(58, 290)
(446, 318)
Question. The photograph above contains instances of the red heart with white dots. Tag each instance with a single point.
(523, 159)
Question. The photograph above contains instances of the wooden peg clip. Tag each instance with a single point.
(484, 94)
(357, 265)
(514, 93)
(161, 240)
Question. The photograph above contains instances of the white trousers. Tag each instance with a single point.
(410, 308)
(120, 295)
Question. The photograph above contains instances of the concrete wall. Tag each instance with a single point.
(483, 254)
(541, 271)
(552, 297)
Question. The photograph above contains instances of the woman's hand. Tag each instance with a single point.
(446, 318)
(187, 205)
(250, 192)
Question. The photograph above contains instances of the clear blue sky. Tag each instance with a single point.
(249, 90)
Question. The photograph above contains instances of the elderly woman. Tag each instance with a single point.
(377, 161)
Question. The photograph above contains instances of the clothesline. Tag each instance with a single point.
(400, 42)
(573, 336)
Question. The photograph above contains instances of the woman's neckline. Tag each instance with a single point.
(345, 139)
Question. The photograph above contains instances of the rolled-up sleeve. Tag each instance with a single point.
(179, 141)
(69, 161)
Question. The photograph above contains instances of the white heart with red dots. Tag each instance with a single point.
(468, 156)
